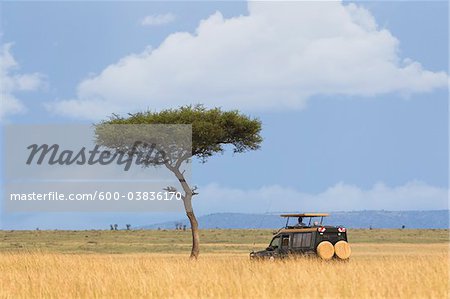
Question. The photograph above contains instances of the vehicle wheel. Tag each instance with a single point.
(325, 250)
(343, 250)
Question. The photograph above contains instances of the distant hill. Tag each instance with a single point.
(358, 219)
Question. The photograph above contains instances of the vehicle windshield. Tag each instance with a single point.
(275, 242)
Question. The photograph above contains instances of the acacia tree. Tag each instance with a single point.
(212, 129)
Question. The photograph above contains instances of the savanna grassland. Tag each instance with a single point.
(154, 264)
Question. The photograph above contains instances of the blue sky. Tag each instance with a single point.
(348, 123)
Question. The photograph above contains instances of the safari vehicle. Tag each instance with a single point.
(313, 238)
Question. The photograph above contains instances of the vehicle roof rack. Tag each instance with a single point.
(306, 215)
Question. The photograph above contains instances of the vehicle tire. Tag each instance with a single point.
(342, 250)
(325, 250)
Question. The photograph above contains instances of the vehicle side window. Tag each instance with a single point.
(302, 240)
(275, 242)
(306, 239)
(285, 242)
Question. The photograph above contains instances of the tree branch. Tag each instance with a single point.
(193, 190)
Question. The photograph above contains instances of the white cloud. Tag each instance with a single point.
(158, 20)
(12, 82)
(340, 197)
(276, 57)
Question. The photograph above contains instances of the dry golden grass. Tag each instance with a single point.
(375, 271)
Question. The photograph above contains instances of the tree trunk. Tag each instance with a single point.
(187, 200)
(195, 251)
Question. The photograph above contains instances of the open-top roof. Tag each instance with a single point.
(306, 215)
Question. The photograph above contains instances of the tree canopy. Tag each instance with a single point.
(212, 129)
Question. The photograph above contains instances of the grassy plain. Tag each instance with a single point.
(154, 264)
(171, 241)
